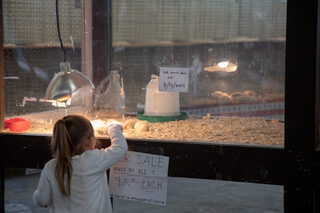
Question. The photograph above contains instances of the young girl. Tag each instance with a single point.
(75, 180)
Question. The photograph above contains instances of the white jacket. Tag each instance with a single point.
(89, 190)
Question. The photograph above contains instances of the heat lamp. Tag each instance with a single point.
(223, 66)
(68, 80)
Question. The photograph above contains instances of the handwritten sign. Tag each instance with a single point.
(140, 177)
(174, 79)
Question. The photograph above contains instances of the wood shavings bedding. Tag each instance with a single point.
(250, 130)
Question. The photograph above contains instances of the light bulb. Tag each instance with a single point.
(223, 64)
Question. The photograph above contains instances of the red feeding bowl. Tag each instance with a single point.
(17, 124)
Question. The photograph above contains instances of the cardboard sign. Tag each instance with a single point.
(174, 79)
(140, 177)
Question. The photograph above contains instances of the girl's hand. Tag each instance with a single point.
(111, 124)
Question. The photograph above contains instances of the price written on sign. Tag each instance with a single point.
(174, 79)
(140, 177)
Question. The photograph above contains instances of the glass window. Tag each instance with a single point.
(183, 195)
(198, 195)
(233, 51)
(32, 51)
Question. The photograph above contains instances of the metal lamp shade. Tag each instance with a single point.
(65, 83)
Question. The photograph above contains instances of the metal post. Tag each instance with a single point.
(86, 46)
(102, 51)
(302, 167)
(2, 104)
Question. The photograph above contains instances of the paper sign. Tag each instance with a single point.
(174, 79)
(140, 177)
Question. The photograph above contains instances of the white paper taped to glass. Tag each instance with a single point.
(173, 79)
(140, 177)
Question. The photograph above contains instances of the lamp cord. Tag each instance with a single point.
(58, 27)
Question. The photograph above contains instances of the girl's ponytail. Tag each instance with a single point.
(69, 138)
(61, 147)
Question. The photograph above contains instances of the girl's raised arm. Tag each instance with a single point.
(116, 151)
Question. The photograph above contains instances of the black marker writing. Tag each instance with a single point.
(172, 85)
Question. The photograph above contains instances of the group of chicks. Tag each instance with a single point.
(128, 125)
(247, 96)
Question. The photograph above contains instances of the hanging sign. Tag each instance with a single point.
(174, 79)
(140, 177)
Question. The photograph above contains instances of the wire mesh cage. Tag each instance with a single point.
(32, 53)
(165, 22)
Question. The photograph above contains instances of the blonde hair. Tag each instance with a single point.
(69, 136)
